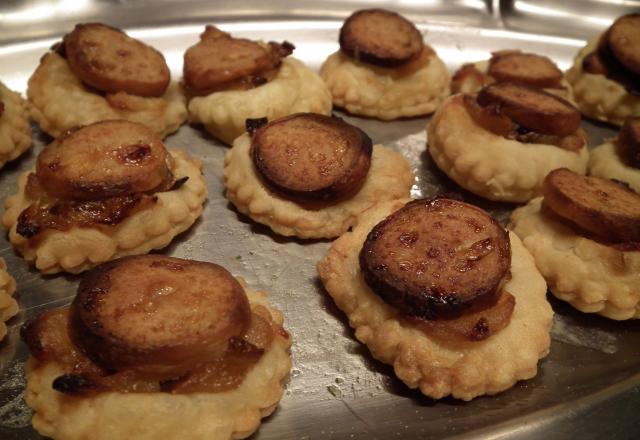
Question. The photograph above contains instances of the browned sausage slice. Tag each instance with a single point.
(489, 117)
(524, 68)
(629, 141)
(531, 108)
(104, 159)
(601, 206)
(623, 39)
(380, 37)
(220, 62)
(152, 311)
(109, 60)
(312, 156)
(436, 258)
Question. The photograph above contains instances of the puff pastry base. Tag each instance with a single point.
(464, 369)
(59, 101)
(592, 277)
(390, 177)
(212, 416)
(8, 305)
(489, 165)
(15, 130)
(604, 161)
(295, 89)
(599, 97)
(82, 248)
(366, 90)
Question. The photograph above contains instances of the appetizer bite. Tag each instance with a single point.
(15, 131)
(311, 175)
(231, 79)
(606, 73)
(619, 158)
(8, 305)
(100, 192)
(97, 73)
(384, 69)
(156, 347)
(584, 234)
(502, 143)
(438, 289)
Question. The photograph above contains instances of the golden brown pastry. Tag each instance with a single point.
(384, 69)
(100, 192)
(584, 234)
(97, 73)
(501, 143)
(234, 79)
(8, 305)
(15, 130)
(619, 158)
(311, 175)
(606, 73)
(154, 346)
(438, 289)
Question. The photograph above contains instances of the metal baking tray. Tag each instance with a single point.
(589, 385)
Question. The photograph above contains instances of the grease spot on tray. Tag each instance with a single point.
(14, 412)
(592, 338)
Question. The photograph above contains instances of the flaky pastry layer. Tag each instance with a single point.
(490, 165)
(604, 161)
(592, 277)
(462, 369)
(8, 305)
(226, 415)
(82, 248)
(599, 97)
(59, 101)
(363, 89)
(390, 177)
(295, 89)
(15, 130)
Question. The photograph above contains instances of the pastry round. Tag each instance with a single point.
(440, 368)
(81, 248)
(231, 414)
(591, 276)
(389, 177)
(415, 89)
(59, 101)
(8, 305)
(295, 89)
(605, 161)
(15, 130)
(488, 164)
(598, 96)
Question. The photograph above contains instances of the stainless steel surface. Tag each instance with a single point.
(587, 387)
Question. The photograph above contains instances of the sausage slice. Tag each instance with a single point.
(531, 108)
(104, 159)
(152, 311)
(312, 156)
(109, 60)
(221, 62)
(623, 38)
(601, 206)
(629, 141)
(525, 68)
(435, 259)
(380, 37)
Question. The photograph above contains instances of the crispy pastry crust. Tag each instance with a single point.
(592, 277)
(378, 92)
(213, 416)
(599, 97)
(8, 305)
(390, 177)
(15, 131)
(59, 101)
(605, 161)
(489, 165)
(295, 89)
(79, 249)
(464, 369)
